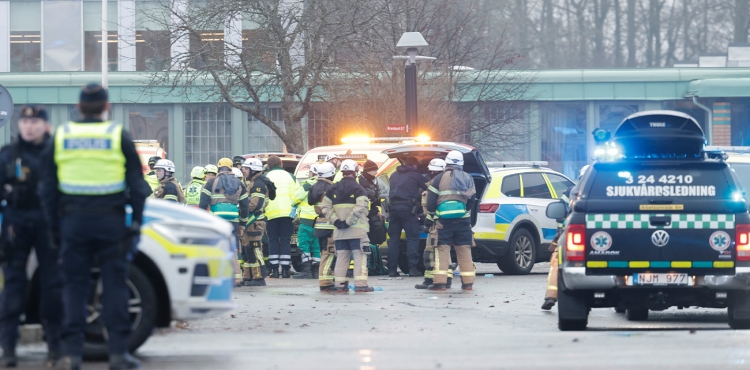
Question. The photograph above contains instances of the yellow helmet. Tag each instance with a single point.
(225, 162)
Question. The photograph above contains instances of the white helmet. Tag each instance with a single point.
(436, 165)
(583, 171)
(237, 173)
(166, 164)
(254, 164)
(314, 169)
(348, 165)
(326, 170)
(331, 156)
(455, 158)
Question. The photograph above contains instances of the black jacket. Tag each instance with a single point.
(406, 188)
(21, 192)
(53, 201)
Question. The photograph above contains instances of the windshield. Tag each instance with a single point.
(360, 156)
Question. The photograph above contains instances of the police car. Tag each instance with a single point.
(663, 224)
(512, 229)
(183, 271)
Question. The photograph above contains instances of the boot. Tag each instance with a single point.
(274, 272)
(285, 272)
(256, 282)
(363, 289)
(344, 288)
(306, 272)
(450, 282)
(394, 273)
(436, 287)
(548, 303)
(425, 284)
(124, 361)
(9, 357)
(246, 275)
(264, 271)
(52, 358)
(467, 286)
(413, 271)
(314, 270)
(328, 289)
(70, 363)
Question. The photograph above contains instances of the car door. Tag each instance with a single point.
(427, 151)
(559, 186)
(537, 195)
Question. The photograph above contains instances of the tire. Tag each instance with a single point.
(143, 315)
(619, 309)
(297, 263)
(572, 310)
(738, 311)
(636, 314)
(521, 255)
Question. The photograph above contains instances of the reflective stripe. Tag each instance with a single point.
(170, 197)
(207, 192)
(92, 189)
(468, 273)
(433, 189)
(258, 195)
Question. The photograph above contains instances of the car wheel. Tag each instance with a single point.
(739, 300)
(572, 311)
(297, 263)
(636, 314)
(521, 255)
(620, 309)
(142, 307)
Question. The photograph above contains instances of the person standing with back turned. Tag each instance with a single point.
(279, 214)
(93, 195)
(405, 206)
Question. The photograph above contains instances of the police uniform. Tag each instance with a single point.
(406, 186)
(92, 171)
(345, 206)
(324, 233)
(24, 228)
(261, 190)
(306, 240)
(450, 197)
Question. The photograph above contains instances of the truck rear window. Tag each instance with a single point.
(625, 181)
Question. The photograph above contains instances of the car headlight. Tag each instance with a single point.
(193, 235)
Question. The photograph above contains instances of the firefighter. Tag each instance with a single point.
(224, 196)
(150, 176)
(20, 169)
(335, 160)
(450, 197)
(169, 188)
(194, 188)
(436, 167)
(323, 230)
(345, 206)
(261, 190)
(306, 240)
(211, 171)
(237, 161)
(280, 226)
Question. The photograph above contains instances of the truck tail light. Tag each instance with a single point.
(742, 242)
(575, 245)
(488, 207)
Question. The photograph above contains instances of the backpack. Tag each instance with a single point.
(378, 231)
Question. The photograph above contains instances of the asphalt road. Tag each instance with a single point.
(290, 325)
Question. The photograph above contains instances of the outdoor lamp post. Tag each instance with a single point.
(412, 41)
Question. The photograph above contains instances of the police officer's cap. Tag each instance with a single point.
(34, 111)
(93, 93)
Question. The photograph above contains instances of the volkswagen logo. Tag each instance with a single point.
(660, 238)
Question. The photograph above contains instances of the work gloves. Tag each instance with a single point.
(340, 224)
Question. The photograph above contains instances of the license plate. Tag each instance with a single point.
(294, 239)
(661, 279)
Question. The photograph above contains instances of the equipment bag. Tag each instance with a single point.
(375, 262)
(378, 231)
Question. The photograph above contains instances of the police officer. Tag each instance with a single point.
(169, 188)
(405, 194)
(279, 214)
(345, 206)
(150, 176)
(211, 171)
(224, 196)
(436, 167)
(193, 190)
(306, 240)
(261, 190)
(449, 200)
(24, 227)
(323, 230)
(92, 172)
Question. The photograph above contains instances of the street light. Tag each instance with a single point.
(412, 41)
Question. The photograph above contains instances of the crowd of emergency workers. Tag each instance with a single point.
(76, 197)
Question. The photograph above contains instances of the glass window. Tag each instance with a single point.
(25, 51)
(63, 33)
(511, 186)
(534, 186)
(507, 121)
(149, 123)
(560, 184)
(208, 131)
(611, 115)
(564, 136)
(207, 49)
(93, 48)
(152, 50)
(260, 137)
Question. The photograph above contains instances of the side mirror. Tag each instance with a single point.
(557, 210)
